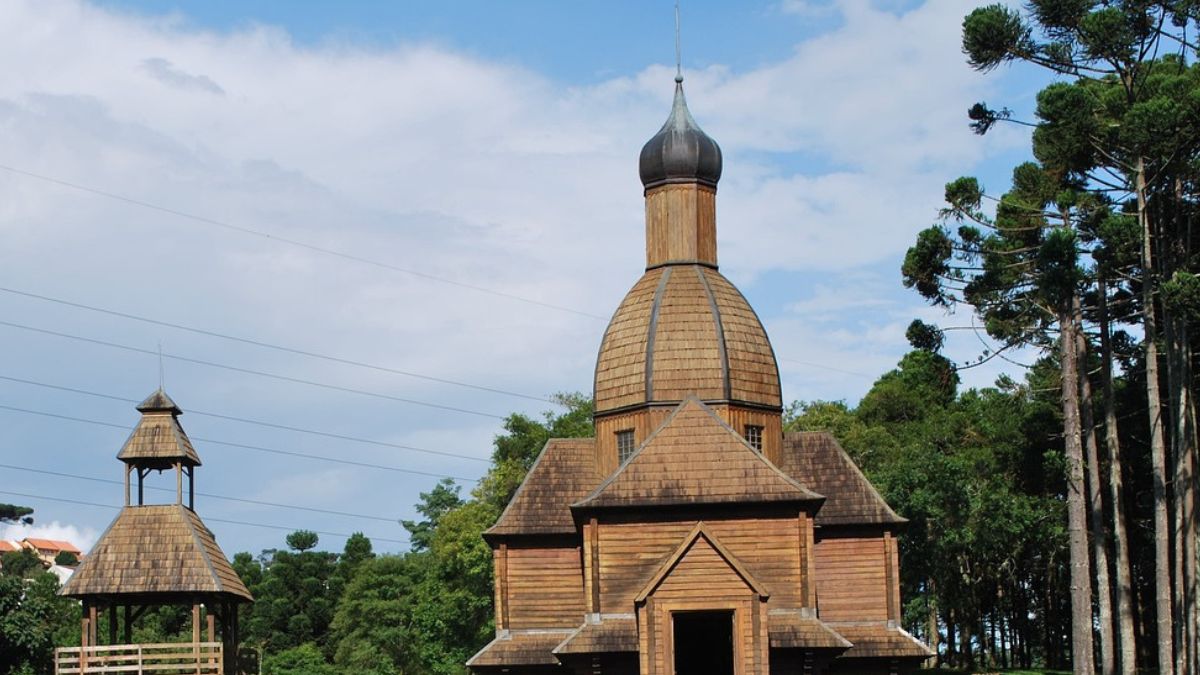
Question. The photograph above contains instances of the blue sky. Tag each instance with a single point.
(490, 144)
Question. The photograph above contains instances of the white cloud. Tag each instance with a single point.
(487, 174)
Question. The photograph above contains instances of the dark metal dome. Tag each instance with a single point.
(680, 152)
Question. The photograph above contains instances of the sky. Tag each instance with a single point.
(443, 198)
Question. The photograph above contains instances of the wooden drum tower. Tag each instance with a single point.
(692, 536)
(152, 555)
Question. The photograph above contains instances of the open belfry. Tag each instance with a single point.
(691, 535)
(153, 555)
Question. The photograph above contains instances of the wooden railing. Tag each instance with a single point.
(179, 658)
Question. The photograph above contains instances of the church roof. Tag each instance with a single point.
(819, 462)
(158, 438)
(609, 635)
(680, 152)
(695, 458)
(160, 549)
(877, 640)
(685, 329)
(520, 648)
(791, 629)
(563, 473)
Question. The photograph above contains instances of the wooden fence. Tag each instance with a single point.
(186, 658)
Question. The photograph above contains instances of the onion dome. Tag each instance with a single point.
(684, 330)
(680, 152)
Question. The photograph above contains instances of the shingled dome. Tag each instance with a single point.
(685, 329)
(680, 152)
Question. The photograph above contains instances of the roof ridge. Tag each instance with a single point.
(712, 416)
(192, 521)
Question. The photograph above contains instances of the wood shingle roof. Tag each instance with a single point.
(816, 460)
(609, 635)
(880, 640)
(695, 458)
(791, 629)
(520, 648)
(682, 330)
(158, 438)
(563, 473)
(159, 549)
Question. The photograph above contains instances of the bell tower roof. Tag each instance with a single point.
(158, 440)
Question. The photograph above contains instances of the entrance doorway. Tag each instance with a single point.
(703, 643)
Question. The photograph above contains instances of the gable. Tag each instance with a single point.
(701, 562)
(695, 458)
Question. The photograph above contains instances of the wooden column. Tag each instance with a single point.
(127, 470)
(93, 619)
(128, 624)
(191, 487)
(178, 482)
(212, 625)
(195, 622)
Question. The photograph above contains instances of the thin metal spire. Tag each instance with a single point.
(678, 52)
(161, 376)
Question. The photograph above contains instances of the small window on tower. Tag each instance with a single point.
(754, 436)
(625, 445)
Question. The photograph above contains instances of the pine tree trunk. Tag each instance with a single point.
(1096, 508)
(934, 634)
(1158, 445)
(1123, 598)
(1077, 517)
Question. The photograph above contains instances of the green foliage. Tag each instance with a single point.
(295, 594)
(925, 336)
(304, 659)
(993, 35)
(302, 540)
(23, 563)
(10, 513)
(373, 624)
(33, 620)
(66, 558)
(433, 505)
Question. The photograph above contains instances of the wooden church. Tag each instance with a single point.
(692, 536)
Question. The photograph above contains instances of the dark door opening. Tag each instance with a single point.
(703, 643)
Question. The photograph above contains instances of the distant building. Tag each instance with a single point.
(9, 546)
(48, 549)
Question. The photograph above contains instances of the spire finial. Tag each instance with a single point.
(678, 52)
(161, 376)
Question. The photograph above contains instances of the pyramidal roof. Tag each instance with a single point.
(157, 549)
(158, 437)
(695, 458)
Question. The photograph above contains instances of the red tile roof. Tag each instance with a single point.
(53, 545)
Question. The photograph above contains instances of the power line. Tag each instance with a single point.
(202, 494)
(297, 243)
(271, 425)
(824, 367)
(244, 446)
(268, 345)
(249, 371)
(208, 520)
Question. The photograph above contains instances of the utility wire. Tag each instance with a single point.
(295, 242)
(268, 345)
(248, 371)
(271, 425)
(243, 446)
(202, 494)
(207, 520)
